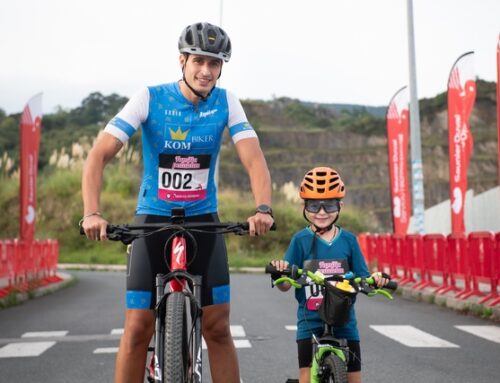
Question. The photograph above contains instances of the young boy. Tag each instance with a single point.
(335, 251)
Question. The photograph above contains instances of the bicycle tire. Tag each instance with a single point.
(177, 353)
(336, 369)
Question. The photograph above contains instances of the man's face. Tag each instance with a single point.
(201, 72)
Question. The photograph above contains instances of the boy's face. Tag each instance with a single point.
(322, 212)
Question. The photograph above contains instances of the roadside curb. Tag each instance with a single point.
(90, 267)
(470, 306)
(16, 298)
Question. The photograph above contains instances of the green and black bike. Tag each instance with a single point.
(330, 354)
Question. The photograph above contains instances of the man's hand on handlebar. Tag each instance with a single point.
(95, 228)
(259, 224)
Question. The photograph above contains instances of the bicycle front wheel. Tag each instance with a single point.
(177, 358)
(336, 369)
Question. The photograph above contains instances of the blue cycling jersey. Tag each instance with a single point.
(181, 142)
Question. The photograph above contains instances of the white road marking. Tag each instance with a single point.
(242, 343)
(491, 333)
(413, 337)
(43, 334)
(291, 327)
(106, 350)
(238, 343)
(237, 331)
(24, 349)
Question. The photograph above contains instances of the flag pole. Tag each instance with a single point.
(416, 151)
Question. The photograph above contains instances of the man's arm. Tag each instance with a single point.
(104, 149)
(253, 160)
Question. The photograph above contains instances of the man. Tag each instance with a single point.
(182, 126)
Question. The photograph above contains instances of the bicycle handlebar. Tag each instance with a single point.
(365, 285)
(127, 233)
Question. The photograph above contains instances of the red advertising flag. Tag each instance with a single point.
(461, 97)
(498, 104)
(31, 123)
(397, 118)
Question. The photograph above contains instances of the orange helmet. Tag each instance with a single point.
(322, 183)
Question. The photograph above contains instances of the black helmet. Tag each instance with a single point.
(205, 39)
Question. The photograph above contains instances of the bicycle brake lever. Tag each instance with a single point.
(381, 291)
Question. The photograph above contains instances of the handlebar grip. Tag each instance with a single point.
(109, 229)
(270, 269)
(392, 285)
(273, 227)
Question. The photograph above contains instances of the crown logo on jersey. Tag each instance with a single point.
(178, 134)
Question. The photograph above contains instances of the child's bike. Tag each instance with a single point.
(330, 355)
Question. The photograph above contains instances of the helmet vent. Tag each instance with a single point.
(212, 37)
(321, 190)
(189, 37)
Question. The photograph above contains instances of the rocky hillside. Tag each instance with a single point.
(297, 136)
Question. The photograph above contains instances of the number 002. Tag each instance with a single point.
(176, 180)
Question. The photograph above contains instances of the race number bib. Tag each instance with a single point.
(183, 178)
(327, 267)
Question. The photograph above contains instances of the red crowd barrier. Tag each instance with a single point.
(454, 263)
(26, 265)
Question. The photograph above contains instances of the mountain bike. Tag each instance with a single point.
(177, 350)
(330, 354)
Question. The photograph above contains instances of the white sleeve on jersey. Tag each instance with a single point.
(238, 125)
(128, 120)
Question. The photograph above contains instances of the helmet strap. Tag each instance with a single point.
(196, 93)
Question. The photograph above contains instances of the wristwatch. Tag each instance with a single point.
(264, 209)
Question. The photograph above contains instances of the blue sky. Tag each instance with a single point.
(332, 51)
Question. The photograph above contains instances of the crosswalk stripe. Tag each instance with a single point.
(237, 331)
(491, 333)
(24, 349)
(238, 343)
(413, 337)
(106, 350)
(242, 343)
(43, 334)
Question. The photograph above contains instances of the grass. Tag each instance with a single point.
(59, 209)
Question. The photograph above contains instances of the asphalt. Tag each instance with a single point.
(427, 295)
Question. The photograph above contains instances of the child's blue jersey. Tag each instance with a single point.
(342, 254)
(181, 143)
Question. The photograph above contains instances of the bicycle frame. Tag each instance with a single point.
(177, 281)
(323, 348)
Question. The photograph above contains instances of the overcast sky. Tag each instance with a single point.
(331, 51)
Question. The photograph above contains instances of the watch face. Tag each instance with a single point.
(264, 209)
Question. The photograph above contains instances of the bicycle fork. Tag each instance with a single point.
(178, 280)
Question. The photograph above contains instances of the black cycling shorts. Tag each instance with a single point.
(146, 259)
(304, 348)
